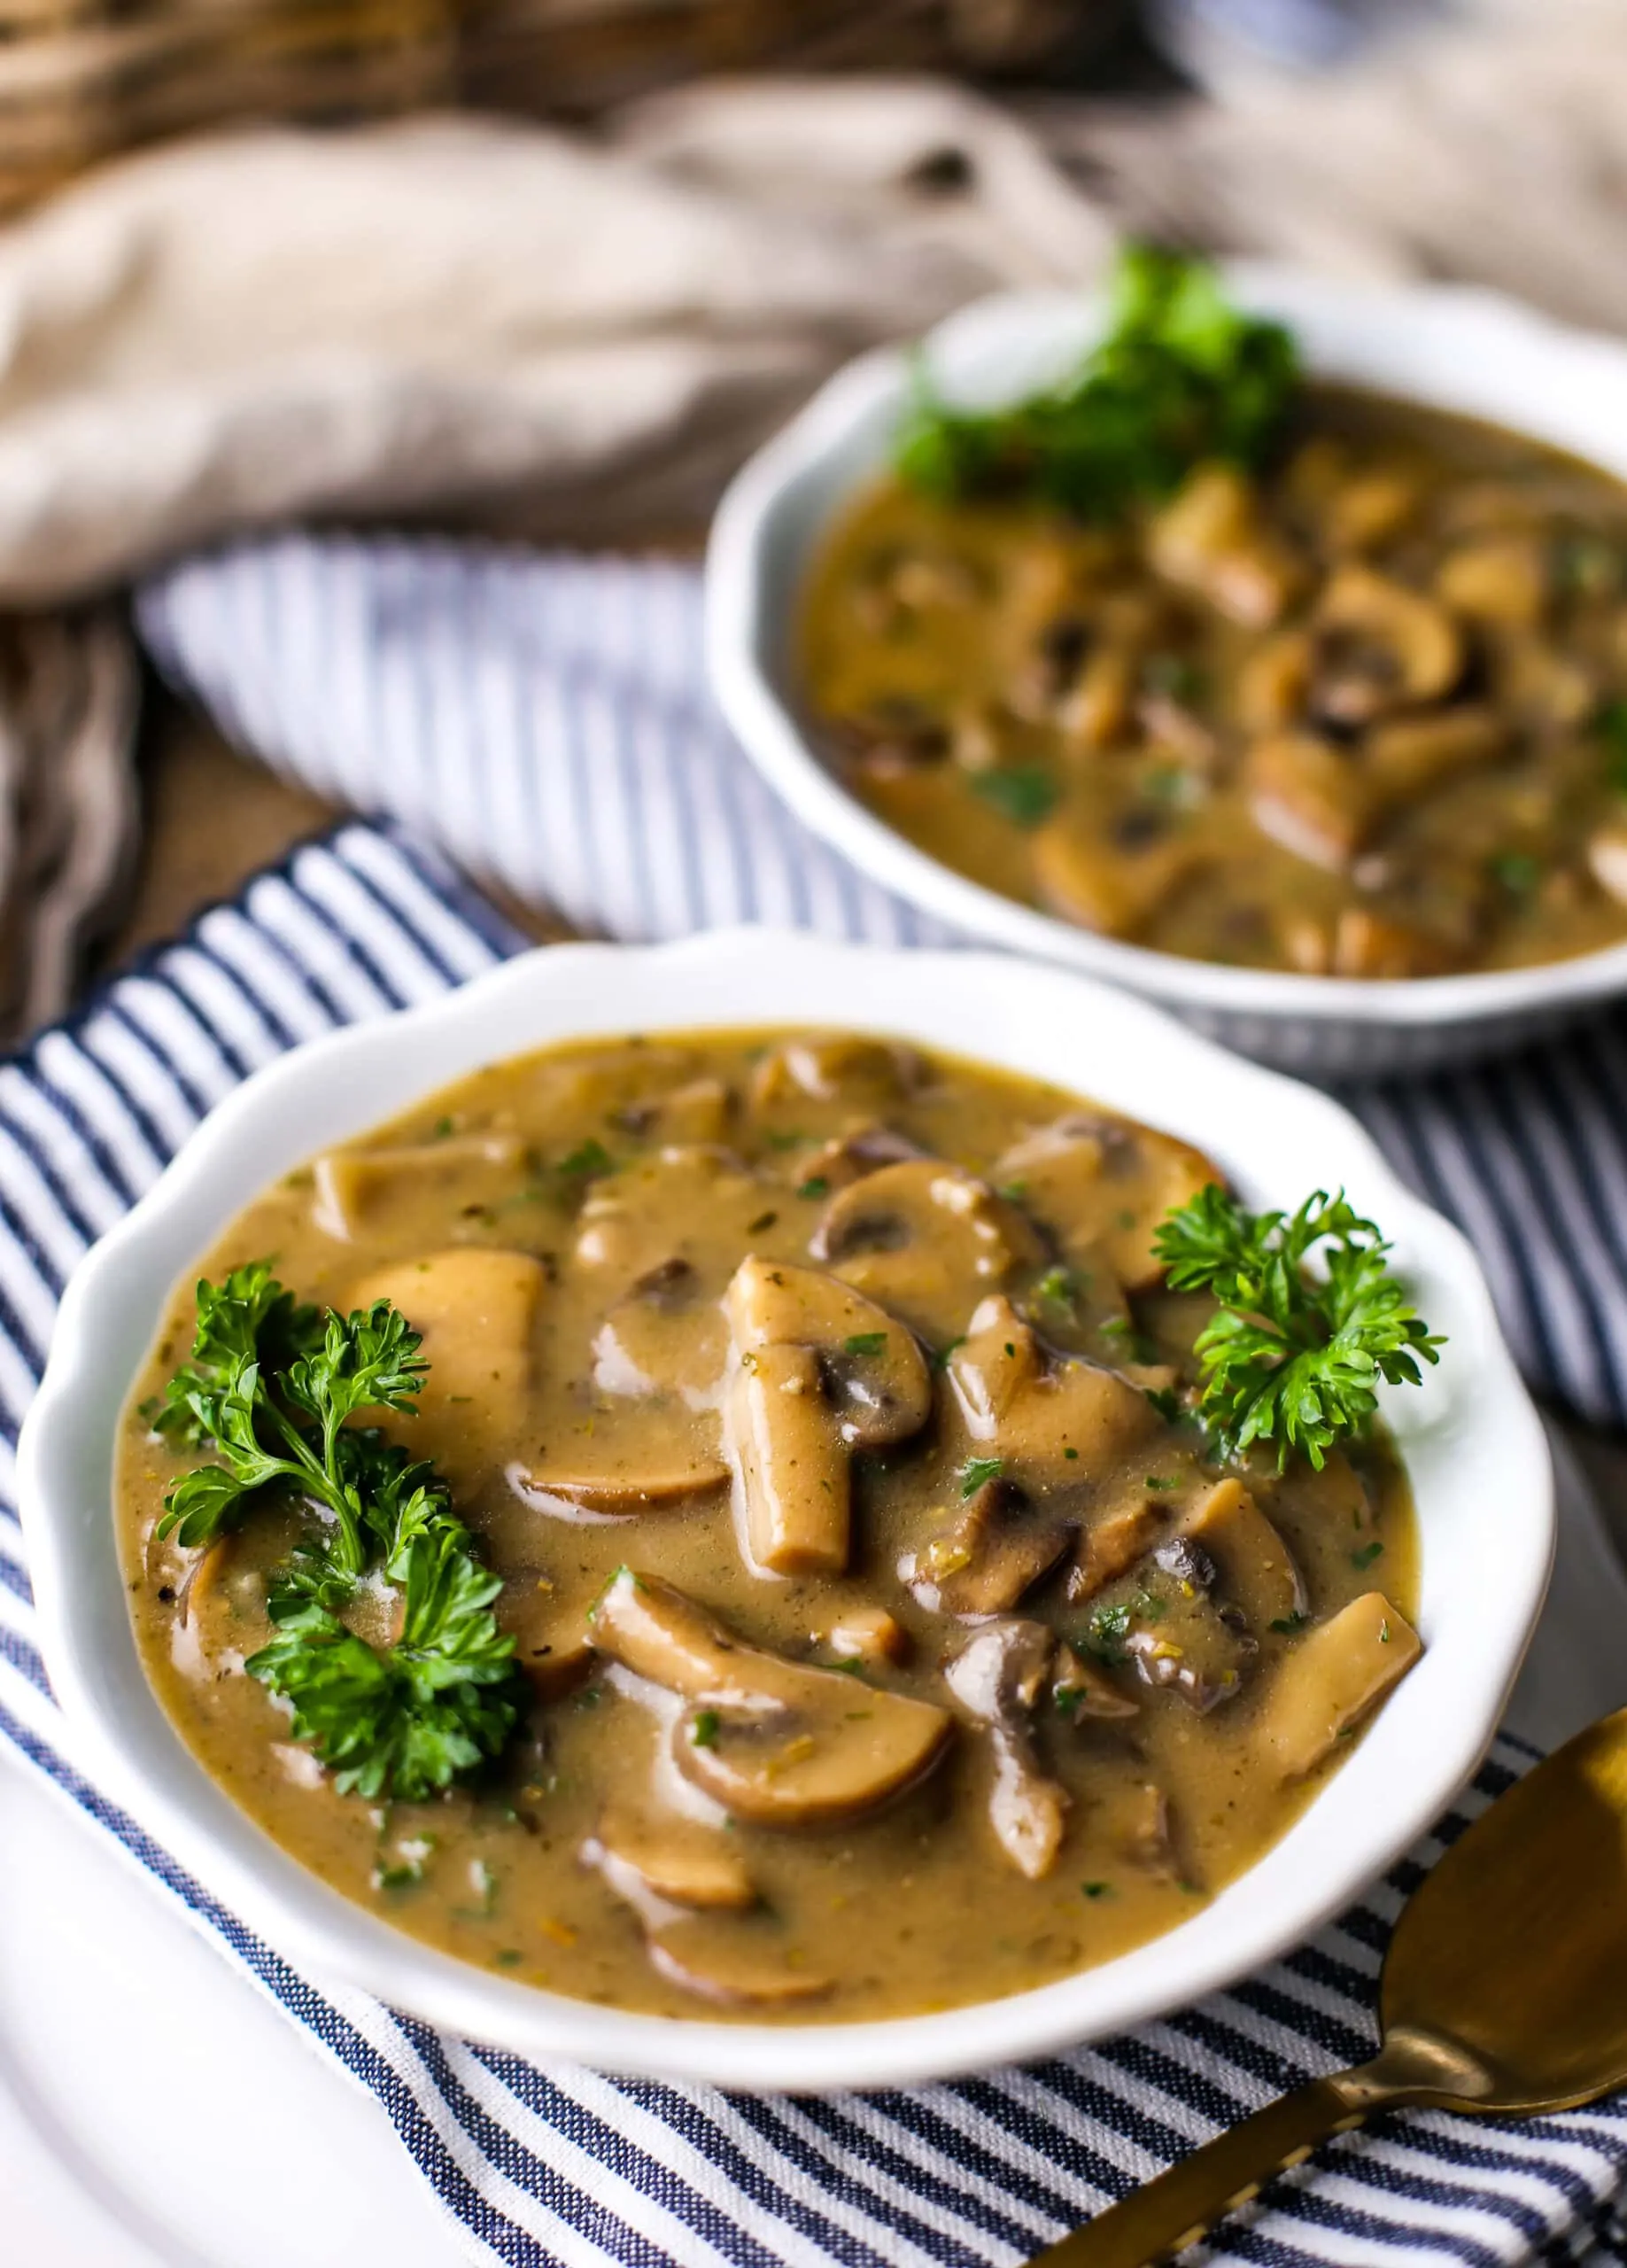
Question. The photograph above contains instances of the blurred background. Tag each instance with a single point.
(548, 269)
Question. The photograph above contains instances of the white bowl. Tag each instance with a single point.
(1453, 349)
(1472, 1445)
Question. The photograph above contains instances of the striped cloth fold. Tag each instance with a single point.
(567, 2166)
(547, 720)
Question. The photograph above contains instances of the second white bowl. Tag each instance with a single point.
(1457, 350)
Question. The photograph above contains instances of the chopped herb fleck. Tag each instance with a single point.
(703, 1731)
(976, 1471)
(1154, 1481)
(1367, 1554)
(1285, 1624)
(1518, 872)
(816, 1185)
(941, 1360)
(1022, 793)
(1097, 1889)
(866, 1342)
(587, 1160)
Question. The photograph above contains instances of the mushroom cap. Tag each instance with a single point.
(874, 1369)
(926, 1240)
(1382, 647)
(777, 1742)
(1062, 1422)
(716, 1961)
(1102, 1185)
(676, 1861)
(828, 1065)
(992, 1555)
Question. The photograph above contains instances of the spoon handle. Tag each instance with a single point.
(1160, 2218)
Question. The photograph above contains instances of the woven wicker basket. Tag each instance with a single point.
(81, 79)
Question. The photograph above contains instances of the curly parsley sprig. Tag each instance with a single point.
(1293, 1356)
(1180, 375)
(275, 1389)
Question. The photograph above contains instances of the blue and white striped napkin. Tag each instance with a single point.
(565, 2166)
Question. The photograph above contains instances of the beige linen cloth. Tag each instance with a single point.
(583, 335)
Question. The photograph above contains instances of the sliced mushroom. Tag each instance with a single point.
(1210, 538)
(1096, 711)
(1114, 1539)
(1256, 1568)
(820, 1372)
(997, 1677)
(1143, 1831)
(1312, 798)
(865, 1634)
(925, 1240)
(1103, 1186)
(1273, 680)
(674, 1860)
(633, 1221)
(1380, 646)
(1082, 1689)
(630, 1474)
(1115, 882)
(1191, 1649)
(864, 1149)
(717, 1961)
(651, 1343)
(774, 1742)
(1049, 1421)
(1410, 756)
(476, 1310)
(351, 1186)
(996, 1551)
(835, 1066)
(1370, 509)
(702, 1111)
(1367, 943)
(1330, 1678)
(1500, 579)
(202, 1579)
(1606, 860)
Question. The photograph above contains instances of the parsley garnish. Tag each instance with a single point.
(866, 1342)
(1285, 1624)
(1289, 1357)
(703, 1731)
(1181, 376)
(816, 1185)
(1108, 1629)
(1367, 1554)
(976, 1471)
(1024, 793)
(271, 1388)
(587, 1161)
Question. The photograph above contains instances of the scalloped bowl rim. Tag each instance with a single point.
(1472, 1440)
(1439, 345)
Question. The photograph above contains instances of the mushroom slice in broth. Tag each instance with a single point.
(777, 1742)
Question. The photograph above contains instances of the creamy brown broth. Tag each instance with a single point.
(564, 1228)
(1358, 717)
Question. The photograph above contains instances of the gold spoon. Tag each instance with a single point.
(1502, 1992)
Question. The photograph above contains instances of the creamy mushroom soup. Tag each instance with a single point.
(1356, 712)
(889, 1629)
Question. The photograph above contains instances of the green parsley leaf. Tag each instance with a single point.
(272, 1388)
(1367, 1554)
(1285, 1624)
(587, 1161)
(1179, 376)
(1096, 1889)
(816, 1185)
(703, 1730)
(1025, 793)
(976, 1471)
(1518, 872)
(866, 1342)
(1291, 1357)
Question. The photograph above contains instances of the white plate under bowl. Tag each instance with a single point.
(1452, 349)
(1472, 1442)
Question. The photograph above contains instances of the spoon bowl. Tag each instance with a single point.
(1501, 1991)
